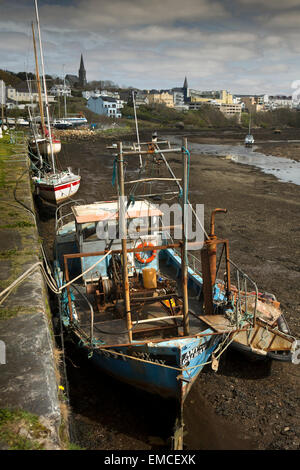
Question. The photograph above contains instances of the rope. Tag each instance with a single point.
(114, 175)
(51, 282)
(172, 173)
(188, 172)
(180, 369)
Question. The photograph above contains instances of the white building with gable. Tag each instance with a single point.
(105, 106)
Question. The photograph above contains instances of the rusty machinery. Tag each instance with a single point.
(109, 290)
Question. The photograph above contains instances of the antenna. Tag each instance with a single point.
(137, 129)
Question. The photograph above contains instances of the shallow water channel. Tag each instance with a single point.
(284, 169)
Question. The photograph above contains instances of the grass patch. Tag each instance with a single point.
(20, 224)
(6, 313)
(73, 446)
(8, 253)
(20, 430)
(6, 148)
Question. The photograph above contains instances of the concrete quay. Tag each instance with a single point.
(32, 407)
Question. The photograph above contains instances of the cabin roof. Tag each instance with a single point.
(108, 210)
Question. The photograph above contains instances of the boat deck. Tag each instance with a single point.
(152, 319)
(110, 326)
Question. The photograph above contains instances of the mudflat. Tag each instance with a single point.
(252, 401)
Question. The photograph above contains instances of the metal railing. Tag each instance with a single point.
(60, 217)
(245, 299)
(245, 303)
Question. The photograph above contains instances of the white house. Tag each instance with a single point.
(60, 90)
(91, 94)
(105, 106)
(20, 94)
(275, 102)
(96, 93)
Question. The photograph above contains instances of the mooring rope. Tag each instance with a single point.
(51, 282)
(180, 369)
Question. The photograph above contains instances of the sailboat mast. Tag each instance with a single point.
(65, 96)
(184, 260)
(38, 83)
(123, 231)
(45, 87)
(137, 129)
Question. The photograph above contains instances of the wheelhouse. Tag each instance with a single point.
(97, 229)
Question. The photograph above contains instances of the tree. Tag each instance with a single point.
(25, 75)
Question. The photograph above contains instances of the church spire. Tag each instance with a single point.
(185, 90)
(81, 63)
(82, 73)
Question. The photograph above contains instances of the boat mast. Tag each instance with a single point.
(184, 260)
(123, 232)
(38, 83)
(45, 87)
(35, 138)
(65, 97)
(137, 129)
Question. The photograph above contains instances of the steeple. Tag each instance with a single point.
(82, 73)
(81, 63)
(185, 90)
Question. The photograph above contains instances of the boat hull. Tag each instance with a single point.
(45, 147)
(168, 368)
(59, 192)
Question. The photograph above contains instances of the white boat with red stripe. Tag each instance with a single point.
(44, 145)
(57, 187)
(52, 185)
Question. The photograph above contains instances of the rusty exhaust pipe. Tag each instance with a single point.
(212, 247)
(209, 264)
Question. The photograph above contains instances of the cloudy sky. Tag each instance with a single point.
(244, 46)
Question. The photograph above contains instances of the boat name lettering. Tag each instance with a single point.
(192, 353)
(147, 357)
(140, 355)
(113, 354)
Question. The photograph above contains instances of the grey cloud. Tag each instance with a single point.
(150, 44)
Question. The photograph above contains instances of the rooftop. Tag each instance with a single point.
(108, 210)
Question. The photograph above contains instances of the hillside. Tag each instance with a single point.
(10, 78)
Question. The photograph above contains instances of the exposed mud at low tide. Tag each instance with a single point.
(244, 405)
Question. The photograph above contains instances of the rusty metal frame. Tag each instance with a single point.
(129, 250)
(67, 277)
(152, 151)
(199, 335)
(101, 253)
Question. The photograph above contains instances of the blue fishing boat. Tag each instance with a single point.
(133, 299)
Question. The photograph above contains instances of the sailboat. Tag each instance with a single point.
(249, 139)
(51, 185)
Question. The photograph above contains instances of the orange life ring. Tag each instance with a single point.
(143, 260)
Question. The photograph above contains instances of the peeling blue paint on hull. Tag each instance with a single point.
(163, 373)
